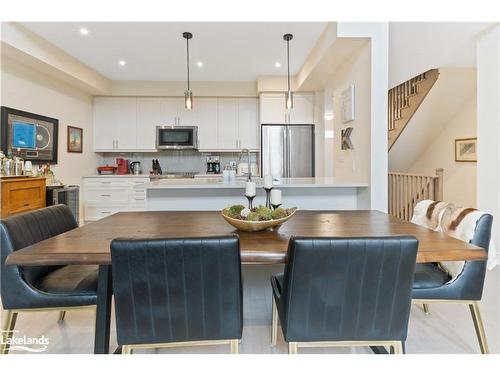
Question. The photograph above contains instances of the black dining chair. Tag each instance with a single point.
(177, 292)
(434, 285)
(345, 292)
(41, 288)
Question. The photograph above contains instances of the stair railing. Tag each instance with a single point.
(407, 189)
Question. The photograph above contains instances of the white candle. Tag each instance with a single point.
(268, 181)
(250, 189)
(275, 197)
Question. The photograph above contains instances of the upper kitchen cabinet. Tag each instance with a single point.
(149, 116)
(115, 124)
(272, 109)
(207, 123)
(248, 123)
(227, 124)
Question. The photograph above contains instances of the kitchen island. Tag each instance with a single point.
(214, 194)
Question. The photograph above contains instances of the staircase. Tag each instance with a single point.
(404, 101)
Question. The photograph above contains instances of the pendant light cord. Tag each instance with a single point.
(187, 54)
(288, 61)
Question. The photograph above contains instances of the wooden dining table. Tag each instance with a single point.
(90, 244)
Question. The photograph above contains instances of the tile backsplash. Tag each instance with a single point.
(175, 160)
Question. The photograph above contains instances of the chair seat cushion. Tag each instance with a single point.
(70, 280)
(429, 275)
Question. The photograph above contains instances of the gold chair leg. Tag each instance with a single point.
(397, 348)
(126, 349)
(234, 346)
(8, 328)
(274, 324)
(478, 325)
(62, 315)
(292, 348)
(426, 309)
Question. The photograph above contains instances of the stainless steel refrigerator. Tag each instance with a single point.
(287, 150)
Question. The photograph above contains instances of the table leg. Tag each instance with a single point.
(103, 314)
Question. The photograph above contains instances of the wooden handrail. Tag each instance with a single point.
(407, 189)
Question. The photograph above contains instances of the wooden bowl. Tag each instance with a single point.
(255, 226)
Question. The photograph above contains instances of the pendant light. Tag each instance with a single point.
(289, 93)
(188, 95)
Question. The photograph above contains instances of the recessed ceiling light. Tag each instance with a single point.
(84, 31)
(199, 64)
(277, 65)
(122, 62)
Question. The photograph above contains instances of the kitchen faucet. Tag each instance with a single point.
(249, 169)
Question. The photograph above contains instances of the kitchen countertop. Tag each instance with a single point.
(218, 183)
(116, 175)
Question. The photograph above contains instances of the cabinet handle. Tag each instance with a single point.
(140, 199)
(105, 182)
(105, 195)
(105, 212)
(26, 204)
(117, 143)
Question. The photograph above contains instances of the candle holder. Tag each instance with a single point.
(268, 196)
(250, 200)
(275, 206)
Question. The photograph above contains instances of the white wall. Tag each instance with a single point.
(349, 165)
(459, 185)
(488, 127)
(26, 89)
(376, 196)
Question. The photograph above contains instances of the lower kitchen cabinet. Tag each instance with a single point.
(104, 196)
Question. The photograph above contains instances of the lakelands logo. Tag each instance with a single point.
(26, 343)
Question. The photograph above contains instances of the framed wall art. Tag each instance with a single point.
(466, 150)
(75, 139)
(28, 135)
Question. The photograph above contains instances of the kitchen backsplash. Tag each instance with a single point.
(175, 160)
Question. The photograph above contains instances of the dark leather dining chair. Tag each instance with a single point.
(434, 285)
(177, 292)
(41, 288)
(345, 292)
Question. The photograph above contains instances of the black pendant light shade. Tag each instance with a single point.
(289, 93)
(188, 95)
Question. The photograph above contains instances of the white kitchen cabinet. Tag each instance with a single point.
(248, 123)
(303, 109)
(188, 117)
(272, 109)
(115, 122)
(170, 111)
(207, 123)
(149, 116)
(104, 196)
(227, 124)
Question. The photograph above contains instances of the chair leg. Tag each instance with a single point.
(274, 324)
(292, 348)
(398, 347)
(426, 309)
(62, 315)
(126, 349)
(8, 330)
(234, 346)
(478, 325)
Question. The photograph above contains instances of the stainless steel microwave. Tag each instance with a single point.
(176, 137)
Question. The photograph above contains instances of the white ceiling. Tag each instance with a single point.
(415, 47)
(156, 50)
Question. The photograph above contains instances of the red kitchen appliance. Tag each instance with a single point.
(122, 166)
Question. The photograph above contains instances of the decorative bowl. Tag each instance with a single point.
(255, 226)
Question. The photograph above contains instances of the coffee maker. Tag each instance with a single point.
(122, 166)
(213, 165)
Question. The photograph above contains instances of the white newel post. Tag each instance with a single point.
(488, 126)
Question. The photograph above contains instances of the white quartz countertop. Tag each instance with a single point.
(218, 183)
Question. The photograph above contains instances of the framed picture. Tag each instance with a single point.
(466, 150)
(348, 105)
(28, 135)
(75, 139)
